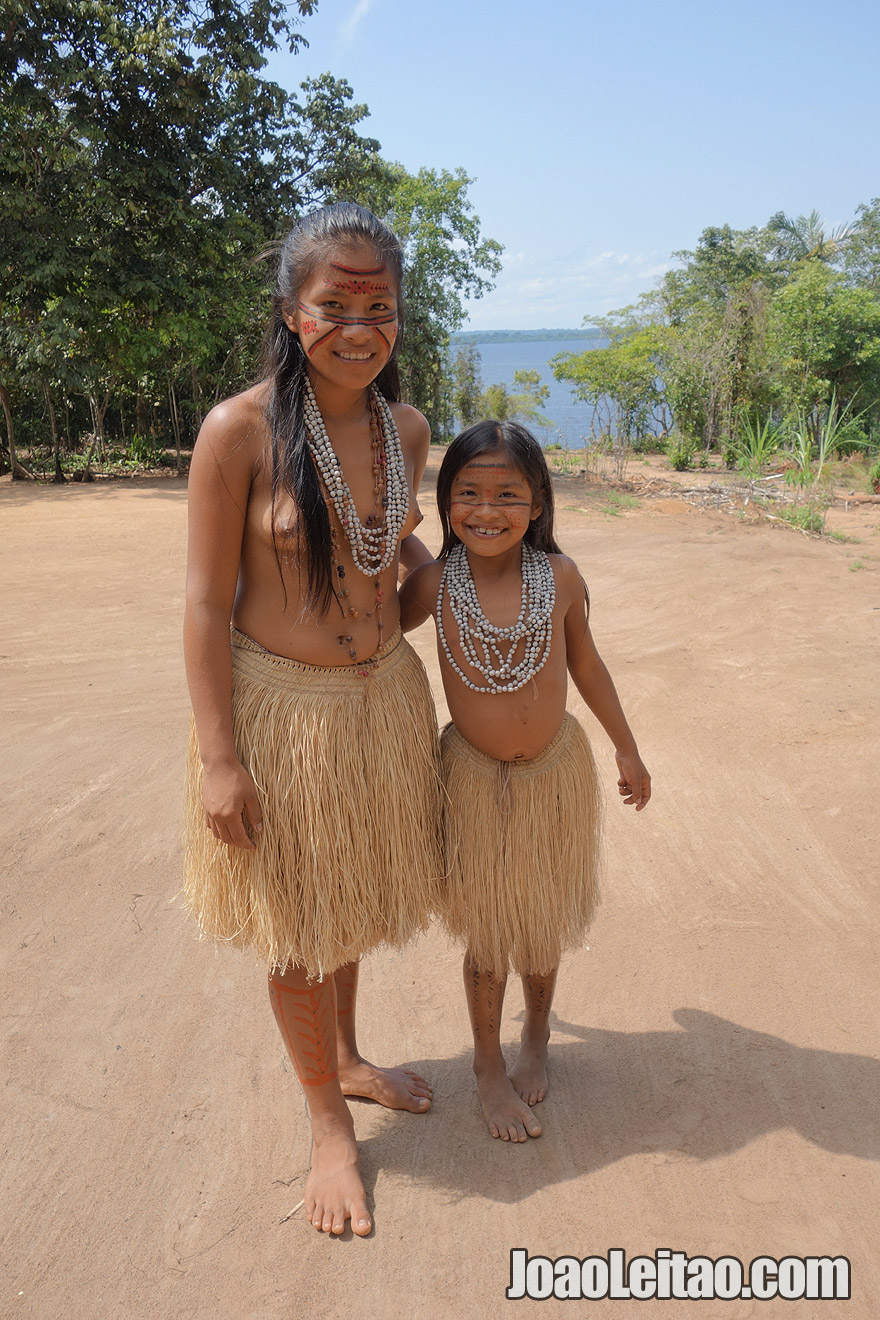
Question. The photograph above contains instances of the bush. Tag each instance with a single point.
(806, 517)
(874, 477)
(680, 453)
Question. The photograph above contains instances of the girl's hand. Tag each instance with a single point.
(634, 784)
(230, 800)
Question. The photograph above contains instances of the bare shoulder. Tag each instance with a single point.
(570, 585)
(426, 578)
(235, 429)
(412, 427)
(423, 583)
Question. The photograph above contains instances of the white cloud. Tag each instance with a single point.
(349, 26)
(536, 293)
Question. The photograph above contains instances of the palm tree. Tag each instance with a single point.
(806, 237)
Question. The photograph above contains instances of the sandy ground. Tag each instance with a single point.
(715, 1074)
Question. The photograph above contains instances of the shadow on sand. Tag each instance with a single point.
(700, 1092)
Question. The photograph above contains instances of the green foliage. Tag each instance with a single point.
(755, 442)
(145, 163)
(620, 382)
(874, 477)
(523, 406)
(806, 517)
(447, 259)
(681, 450)
(467, 385)
(861, 258)
(825, 338)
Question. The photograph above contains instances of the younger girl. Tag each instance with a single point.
(522, 810)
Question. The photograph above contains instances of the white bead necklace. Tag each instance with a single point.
(374, 544)
(481, 642)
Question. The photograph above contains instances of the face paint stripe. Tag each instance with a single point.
(357, 286)
(322, 340)
(384, 339)
(352, 270)
(333, 319)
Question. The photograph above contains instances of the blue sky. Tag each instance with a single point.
(603, 138)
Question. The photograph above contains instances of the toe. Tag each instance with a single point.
(361, 1224)
(533, 1126)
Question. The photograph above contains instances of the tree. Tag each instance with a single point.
(861, 257)
(466, 384)
(806, 237)
(826, 336)
(447, 259)
(144, 161)
(620, 382)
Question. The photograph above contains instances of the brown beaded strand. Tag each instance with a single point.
(377, 443)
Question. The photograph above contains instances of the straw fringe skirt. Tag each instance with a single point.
(345, 760)
(522, 850)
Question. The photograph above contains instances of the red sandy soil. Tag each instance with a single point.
(715, 1076)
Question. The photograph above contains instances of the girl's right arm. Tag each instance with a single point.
(219, 486)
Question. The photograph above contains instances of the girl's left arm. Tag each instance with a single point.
(416, 433)
(594, 683)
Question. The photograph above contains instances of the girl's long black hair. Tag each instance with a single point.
(524, 452)
(343, 224)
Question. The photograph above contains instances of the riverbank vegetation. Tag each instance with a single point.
(147, 164)
(761, 346)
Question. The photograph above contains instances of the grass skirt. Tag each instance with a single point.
(345, 760)
(522, 850)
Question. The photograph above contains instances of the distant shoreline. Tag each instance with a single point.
(523, 336)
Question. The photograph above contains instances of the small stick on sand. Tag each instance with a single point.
(299, 1205)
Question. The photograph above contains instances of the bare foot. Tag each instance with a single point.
(395, 1088)
(334, 1191)
(503, 1110)
(528, 1076)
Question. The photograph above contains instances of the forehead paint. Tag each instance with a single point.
(313, 315)
(357, 286)
(489, 467)
(353, 270)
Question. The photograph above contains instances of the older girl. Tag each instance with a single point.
(313, 793)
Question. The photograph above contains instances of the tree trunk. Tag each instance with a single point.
(19, 472)
(143, 415)
(175, 425)
(59, 478)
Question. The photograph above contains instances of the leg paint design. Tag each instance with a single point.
(306, 1017)
(528, 1076)
(505, 1113)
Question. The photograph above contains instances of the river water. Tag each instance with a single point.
(570, 420)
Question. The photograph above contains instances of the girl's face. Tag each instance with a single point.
(346, 316)
(491, 504)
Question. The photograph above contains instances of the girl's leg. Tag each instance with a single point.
(306, 1015)
(528, 1075)
(396, 1088)
(508, 1117)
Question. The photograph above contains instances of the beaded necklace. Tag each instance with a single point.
(488, 648)
(373, 544)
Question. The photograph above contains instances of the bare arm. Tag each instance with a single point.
(416, 435)
(594, 683)
(219, 485)
(418, 595)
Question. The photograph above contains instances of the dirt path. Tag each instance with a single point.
(715, 1084)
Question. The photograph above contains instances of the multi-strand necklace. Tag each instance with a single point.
(490, 649)
(373, 544)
